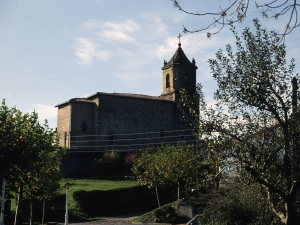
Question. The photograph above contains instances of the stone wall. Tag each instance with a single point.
(148, 119)
(63, 122)
(119, 122)
(121, 114)
(82, 120)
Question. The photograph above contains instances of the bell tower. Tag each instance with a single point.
(178, 73)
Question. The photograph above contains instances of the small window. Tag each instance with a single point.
(83, 126)
(167, 81)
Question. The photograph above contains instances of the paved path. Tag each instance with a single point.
(121, 220)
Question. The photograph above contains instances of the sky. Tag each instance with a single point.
(55, 50)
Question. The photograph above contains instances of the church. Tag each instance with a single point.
(130, 122)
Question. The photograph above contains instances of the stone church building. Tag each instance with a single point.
(130, 122)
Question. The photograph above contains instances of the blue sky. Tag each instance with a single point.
(55, 50)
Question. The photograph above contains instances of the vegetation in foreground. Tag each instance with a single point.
(30, 157)
(91, 199)
(254, 124)
(92, 185)
(180, 165)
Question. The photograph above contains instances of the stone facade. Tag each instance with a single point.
(114, 121)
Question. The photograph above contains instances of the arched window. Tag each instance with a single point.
(167, 81)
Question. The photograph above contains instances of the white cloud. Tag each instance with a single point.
(86, 51)
(45, 111)
(161, 27)
(116, 35)
(167, 49)
(191, 44)
(128, 25)
(89, 46)
(119, 31)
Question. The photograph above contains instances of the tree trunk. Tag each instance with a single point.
(178, 191)
(157, 196)
(18, 208)
(288, 217)
(43, 214)
(216, 183)
(291, 218)
(31, 210)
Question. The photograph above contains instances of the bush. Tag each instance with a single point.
(165, 214)
(120, 201)
(238, 205)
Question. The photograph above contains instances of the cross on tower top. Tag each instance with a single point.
(179, 36)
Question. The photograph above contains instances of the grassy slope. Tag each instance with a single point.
(90, 185)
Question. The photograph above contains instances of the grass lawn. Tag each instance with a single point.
(90, 185)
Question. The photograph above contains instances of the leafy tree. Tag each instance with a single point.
(181, 164)
(254, 122)
(148, 172)
(235, 11)
(31, 154)
(170, 165)
(42, 181)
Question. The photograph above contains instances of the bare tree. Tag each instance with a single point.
(235, 11)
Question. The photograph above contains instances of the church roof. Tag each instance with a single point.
(130, 95)
(77, 100)
(179, 59)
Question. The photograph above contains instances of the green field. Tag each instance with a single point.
(98, 198)
(91, 185)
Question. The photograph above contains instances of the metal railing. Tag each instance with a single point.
(196, 220)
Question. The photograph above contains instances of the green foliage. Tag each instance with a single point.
(92, 185)
(119, 201)
(240, 204)
(254, 123)
(167, 165)
(55, 208)
(165, 214)
(30, 154)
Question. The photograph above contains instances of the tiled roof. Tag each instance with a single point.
(130, 95)
(86, 100)
(179, 58)
(81, 100)
(141, 96)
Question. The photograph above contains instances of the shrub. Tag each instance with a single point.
(238, 205)
(165, 214)
(120, 201)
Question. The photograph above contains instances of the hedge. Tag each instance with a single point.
(115, 202)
